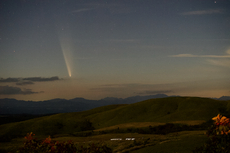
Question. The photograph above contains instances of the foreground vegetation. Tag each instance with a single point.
(142, 141)
(184, 141)
(155, 124)
(219, 137)
(144, 137)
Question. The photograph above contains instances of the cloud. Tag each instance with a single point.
(134, 88)
(9, 90)
(218, 60)
(40, 79)
(81, 10)
(183, 55)
(29, 80)
(24, 83)
(204, 12)
(228, 51)
(204, 56)
(152, 92)
(109, 87)
(125, 40)
(9, 80)
(223, 63)
(112, 7)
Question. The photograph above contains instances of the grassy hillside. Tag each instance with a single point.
(55, 124)
(184, 143)
(156, 110)
(161, 110)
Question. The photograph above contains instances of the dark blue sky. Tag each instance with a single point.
(116, 48)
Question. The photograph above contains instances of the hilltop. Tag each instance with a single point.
(162, 110)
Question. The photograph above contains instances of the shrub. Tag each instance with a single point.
(219, 137)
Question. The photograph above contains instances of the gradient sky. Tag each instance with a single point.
(114, 48)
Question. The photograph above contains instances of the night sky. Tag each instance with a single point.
(114, 48)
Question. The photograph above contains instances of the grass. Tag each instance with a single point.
(160, 110)
(174, 142)
(184, 143)
(147, 124)
(184, 110)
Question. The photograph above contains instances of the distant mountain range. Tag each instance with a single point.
(224, 98)
(13, 106)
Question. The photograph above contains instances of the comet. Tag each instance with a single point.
(67, 54)
(67, 62)
(67, 47)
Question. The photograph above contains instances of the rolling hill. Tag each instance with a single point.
(163, 110)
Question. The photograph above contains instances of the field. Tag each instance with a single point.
(124, 121)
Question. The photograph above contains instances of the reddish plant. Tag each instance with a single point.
(29, 136)
(50, 146)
